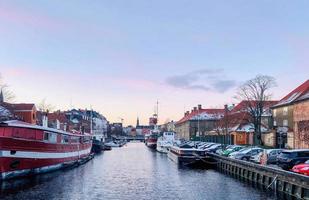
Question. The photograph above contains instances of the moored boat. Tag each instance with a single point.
(186, 156)
(165, 142)
(27, 149)
(151, 139)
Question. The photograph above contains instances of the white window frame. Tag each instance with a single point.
(285, 111)
(285, 122)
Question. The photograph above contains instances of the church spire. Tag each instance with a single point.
(137, 122)
(1, 96)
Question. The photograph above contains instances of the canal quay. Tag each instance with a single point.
(133, 172)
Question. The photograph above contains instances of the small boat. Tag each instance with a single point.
(97, 146)
(151, 139)
(112, 144)
(186, 155)
(165, 142)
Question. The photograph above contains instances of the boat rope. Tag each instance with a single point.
(275, 180)
(205, 161)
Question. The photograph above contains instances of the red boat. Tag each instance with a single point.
(151, 139)
(27, 149)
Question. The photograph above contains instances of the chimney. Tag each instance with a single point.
(195, 108)
(58, 124)
(199, 107)
(45, 121)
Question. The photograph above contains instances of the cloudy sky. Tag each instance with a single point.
(121, 56)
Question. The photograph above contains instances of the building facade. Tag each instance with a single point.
(198, 122)
(291, 119)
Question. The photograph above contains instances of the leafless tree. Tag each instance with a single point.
(45, 107)
(7, 94)
(256, 93)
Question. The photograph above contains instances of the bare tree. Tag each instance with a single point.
(45, 107)
(7, 94)
(256, 93)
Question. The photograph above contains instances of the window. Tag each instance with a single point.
(285, 111)
(65, 139)
(275, 123)
(275, 113)
(285, 122)
(50, 137)
(46, 136)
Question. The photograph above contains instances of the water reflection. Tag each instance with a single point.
(132, 172)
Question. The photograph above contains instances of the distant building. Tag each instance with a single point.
(168, 127)
(116, 129)
(197, 122)
(239, 122)
(291, 118)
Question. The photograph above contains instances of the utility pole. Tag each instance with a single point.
(226, 123)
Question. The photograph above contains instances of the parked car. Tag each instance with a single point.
(231, 149)
(213, 148)
(233, 154)
(302, 168)
(289, 158)
(246, 154)
(272, 155)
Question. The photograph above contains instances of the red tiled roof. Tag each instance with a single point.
(297, 94)
(197, 112)
(243, 105)
(19, 106)
(57, 115)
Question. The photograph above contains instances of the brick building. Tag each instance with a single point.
(291, 118)
(198, 122)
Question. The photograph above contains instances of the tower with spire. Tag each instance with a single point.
(1, 96)
(137, 122)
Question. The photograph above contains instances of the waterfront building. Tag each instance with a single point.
(198, 122)
(23, 111)
(168, 126)
(291, 119)
(240, 122)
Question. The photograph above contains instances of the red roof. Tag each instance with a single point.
(243, 105)
(297, 94)
(19, 106)
(57, 115)
(197, 112)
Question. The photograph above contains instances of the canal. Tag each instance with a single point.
(132, 172)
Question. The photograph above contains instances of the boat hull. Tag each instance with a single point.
(152, 145)
(186, 160)
(162, 149)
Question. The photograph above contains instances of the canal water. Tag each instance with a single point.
(132, 172)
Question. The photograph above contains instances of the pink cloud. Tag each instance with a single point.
(12, 71)
(20, 16)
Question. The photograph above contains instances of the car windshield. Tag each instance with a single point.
(244, 150)
(287, 154)
(247, 150)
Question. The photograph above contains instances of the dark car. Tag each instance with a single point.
(289, 158)
(272, 155)
(213, 148)
(246, 154)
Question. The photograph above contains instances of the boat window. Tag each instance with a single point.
(65, 139)
(50, 137)
(74, 139)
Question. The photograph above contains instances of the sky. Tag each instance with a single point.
(119, 57)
